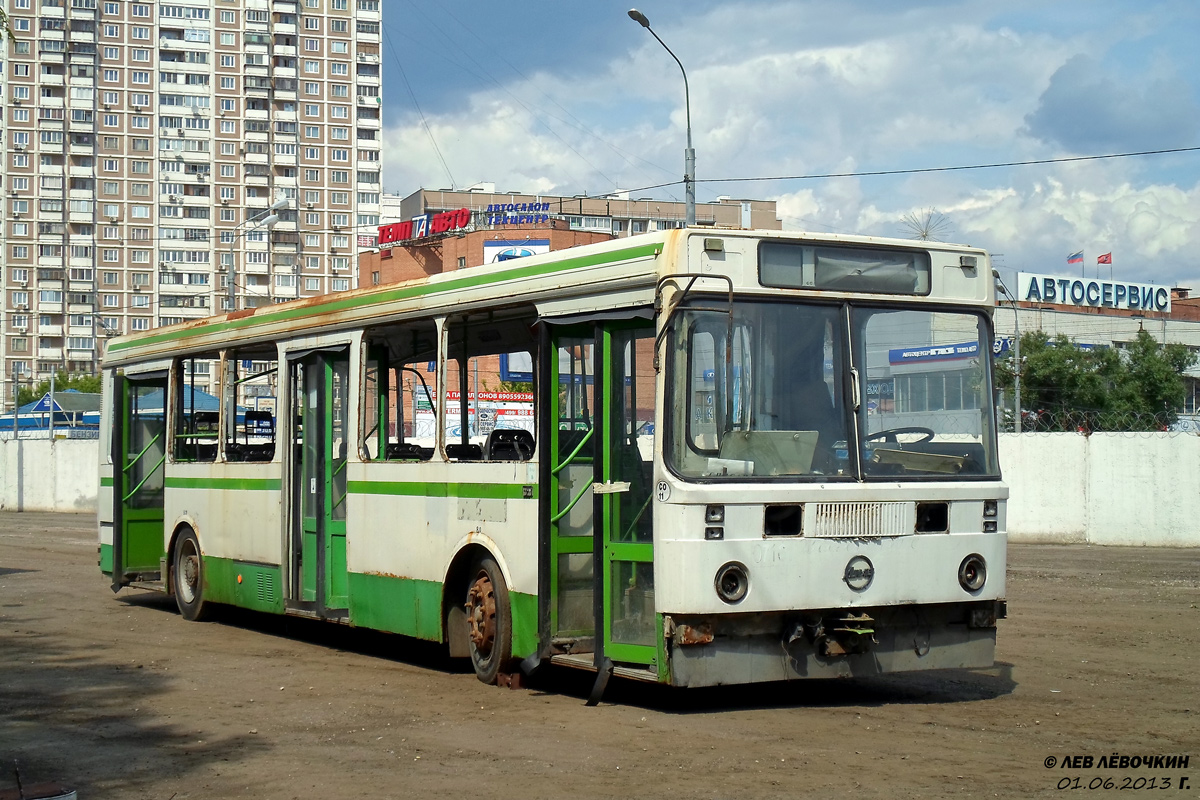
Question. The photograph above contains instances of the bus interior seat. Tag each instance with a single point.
(236, 451)
(464, 452)
(507, 444)
(407, 451)
(204, 421)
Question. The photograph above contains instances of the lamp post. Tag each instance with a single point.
(265, 222)
(1002, 289)
(689, 155)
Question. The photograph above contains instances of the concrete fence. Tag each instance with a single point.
(1107, 488)
(49, 475)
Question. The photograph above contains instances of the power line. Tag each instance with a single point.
(919, 170)
(574, 121)
(417, 105)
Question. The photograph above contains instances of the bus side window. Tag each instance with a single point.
(490, 411)
(196, 409)
(399, 393)
(250, 395)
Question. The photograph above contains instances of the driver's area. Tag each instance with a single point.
(925, 401)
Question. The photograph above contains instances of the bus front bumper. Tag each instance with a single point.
(832, 643)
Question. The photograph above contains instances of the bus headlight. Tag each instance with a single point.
(732, 582)
(972, 572)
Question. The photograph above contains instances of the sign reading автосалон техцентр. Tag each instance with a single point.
(1092, 292)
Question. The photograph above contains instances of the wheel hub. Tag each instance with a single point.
(481, 614)
(191, 574)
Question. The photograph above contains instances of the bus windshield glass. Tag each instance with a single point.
(791, 390)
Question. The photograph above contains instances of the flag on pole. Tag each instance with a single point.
(1075, 258)
(1104, 259)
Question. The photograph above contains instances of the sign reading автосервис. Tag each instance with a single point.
(1092, 292)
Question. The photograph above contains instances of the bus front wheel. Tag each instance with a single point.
(187, 572)
(489, 620)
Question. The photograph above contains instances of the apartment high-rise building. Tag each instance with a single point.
(144, 143)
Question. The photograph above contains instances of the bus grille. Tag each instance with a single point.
(268, 592)
(861, 520)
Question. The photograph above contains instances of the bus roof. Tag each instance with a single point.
(599, 271)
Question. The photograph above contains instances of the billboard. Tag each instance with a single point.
(1092, 293)
(498, 250)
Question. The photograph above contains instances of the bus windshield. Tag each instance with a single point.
(792, 390)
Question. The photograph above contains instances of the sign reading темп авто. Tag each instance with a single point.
(1092, 292)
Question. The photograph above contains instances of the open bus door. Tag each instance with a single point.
(600, 488)
(139, 453)
(319, 396)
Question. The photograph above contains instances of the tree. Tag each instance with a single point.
(1155, 382)
(1066, 387)
(62, 382)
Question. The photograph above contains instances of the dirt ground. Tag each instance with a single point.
(117, 696)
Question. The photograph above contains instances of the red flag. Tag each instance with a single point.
(1104, 259)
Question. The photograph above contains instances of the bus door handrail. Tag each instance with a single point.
(138, 457)
(149, 474)
(571, 504)
(336, 470)
(693, 277)
(562, 466)
(638, 517)
(575, 452)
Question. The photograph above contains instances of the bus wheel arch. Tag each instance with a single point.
(186, 574)
(477, 612)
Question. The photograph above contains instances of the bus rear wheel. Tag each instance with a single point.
(489, 620)
(188, 573)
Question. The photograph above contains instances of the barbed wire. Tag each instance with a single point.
(1089, 422)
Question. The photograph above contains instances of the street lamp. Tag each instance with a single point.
(265, 222)
(1002, 289)
(689, 155)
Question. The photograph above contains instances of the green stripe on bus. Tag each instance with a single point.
(482, 491)
(231, 484)
(413, 607)
(106, 481)
(392, 295)
(261, 587)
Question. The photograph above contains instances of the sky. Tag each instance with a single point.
(554, 97)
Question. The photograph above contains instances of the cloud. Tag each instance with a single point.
(792, 88)
(1087, 108)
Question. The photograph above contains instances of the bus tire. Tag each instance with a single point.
(489, 620)
(187, 572)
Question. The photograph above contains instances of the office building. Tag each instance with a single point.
(615, 213)
(144, 142)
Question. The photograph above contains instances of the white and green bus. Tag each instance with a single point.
(696, 457)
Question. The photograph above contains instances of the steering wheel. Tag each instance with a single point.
(889, 435)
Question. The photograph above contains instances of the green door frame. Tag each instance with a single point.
(323, 573)
(609, 547)
(137, 517)
(614, 545)
(580, 454)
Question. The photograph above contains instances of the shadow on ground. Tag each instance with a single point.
(81, 716)
(940, 686)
